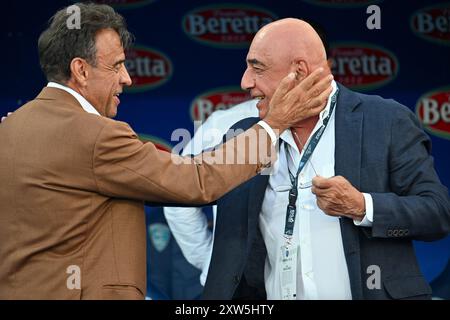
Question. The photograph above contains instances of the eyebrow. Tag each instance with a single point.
(255, 62)
(119, 62)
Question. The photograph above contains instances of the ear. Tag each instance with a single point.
(300, 68)
(79, 70)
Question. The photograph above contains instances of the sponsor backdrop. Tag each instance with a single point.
(188, 60)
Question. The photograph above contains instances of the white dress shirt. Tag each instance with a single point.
(321, 266)
(81, 100)
(189, 226)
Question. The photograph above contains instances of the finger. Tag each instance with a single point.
(319, 192)
(321, 182)
(9, 113)
(312, 78)
(3, 119)
(321, 204)
(319, 103)
(286, 84)
(321, 86)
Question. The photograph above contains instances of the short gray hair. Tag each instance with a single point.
(58, 45)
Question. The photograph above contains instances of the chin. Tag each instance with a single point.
(112, 112)
(262, 112)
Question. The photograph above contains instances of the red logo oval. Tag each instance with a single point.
(216, 99)
(125, 4)
(148, 68)
(226, 25)
(433, 110)
(159, 143)
(363, 66)
(432, 23)
(343, 3)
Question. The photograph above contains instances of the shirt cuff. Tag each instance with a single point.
(368, 217)
(269, 130)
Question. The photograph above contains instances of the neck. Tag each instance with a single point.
(302, 130)
(72, 85)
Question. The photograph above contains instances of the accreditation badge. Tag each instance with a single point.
(288, 270)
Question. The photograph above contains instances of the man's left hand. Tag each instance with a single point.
(337, 197)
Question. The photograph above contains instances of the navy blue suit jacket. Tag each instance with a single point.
(382, 150)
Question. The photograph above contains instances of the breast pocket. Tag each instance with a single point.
(121, 292)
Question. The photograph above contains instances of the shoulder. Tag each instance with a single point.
(378, 106)
(102, 128)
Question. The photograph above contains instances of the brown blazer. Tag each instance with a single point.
(72, 192)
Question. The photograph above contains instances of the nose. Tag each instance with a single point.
(125, 78)
(247, 81)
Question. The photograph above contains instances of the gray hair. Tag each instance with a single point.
(58, 45)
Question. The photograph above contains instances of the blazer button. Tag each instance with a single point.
(401, 233)
(406, 232)
(389, 233)
(395, 233)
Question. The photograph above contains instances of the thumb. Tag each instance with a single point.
(320, 182)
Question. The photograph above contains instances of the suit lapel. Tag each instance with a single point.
(255, 199)
(348, 144)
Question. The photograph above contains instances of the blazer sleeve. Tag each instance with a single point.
(418, 206)
(125, 167)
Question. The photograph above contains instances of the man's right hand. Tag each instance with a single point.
(4, 118)
(293, 102)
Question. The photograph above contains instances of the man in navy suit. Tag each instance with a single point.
(351, 189)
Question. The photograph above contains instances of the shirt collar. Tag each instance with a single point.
(81, 100)
(287, 134)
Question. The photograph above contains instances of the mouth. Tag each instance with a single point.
(259, 99)
(116, 97)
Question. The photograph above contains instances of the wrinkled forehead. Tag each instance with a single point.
(268, 49)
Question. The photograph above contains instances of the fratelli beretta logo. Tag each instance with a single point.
(226, 25)
(148, 68)
(363, 66)
(433, 109)
(433, 23)
(343, 3)
(216, 99)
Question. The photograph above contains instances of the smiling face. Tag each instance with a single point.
(106, 80)
(284, 46)
(266, 67)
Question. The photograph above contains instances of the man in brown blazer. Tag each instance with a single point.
(74, 181)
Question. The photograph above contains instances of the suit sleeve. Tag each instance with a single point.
(418, 206)
(124, 167)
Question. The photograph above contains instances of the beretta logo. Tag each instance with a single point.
(363, 66)
(226, 25)
(433, 109)
(125, 4)
(343, 3)
(433, 23)
(217, 99)
(148, 68)
(159, 143)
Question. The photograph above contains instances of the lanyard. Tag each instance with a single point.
(293, 192)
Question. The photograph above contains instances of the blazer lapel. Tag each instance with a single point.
(348, 144)
(255, 199)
